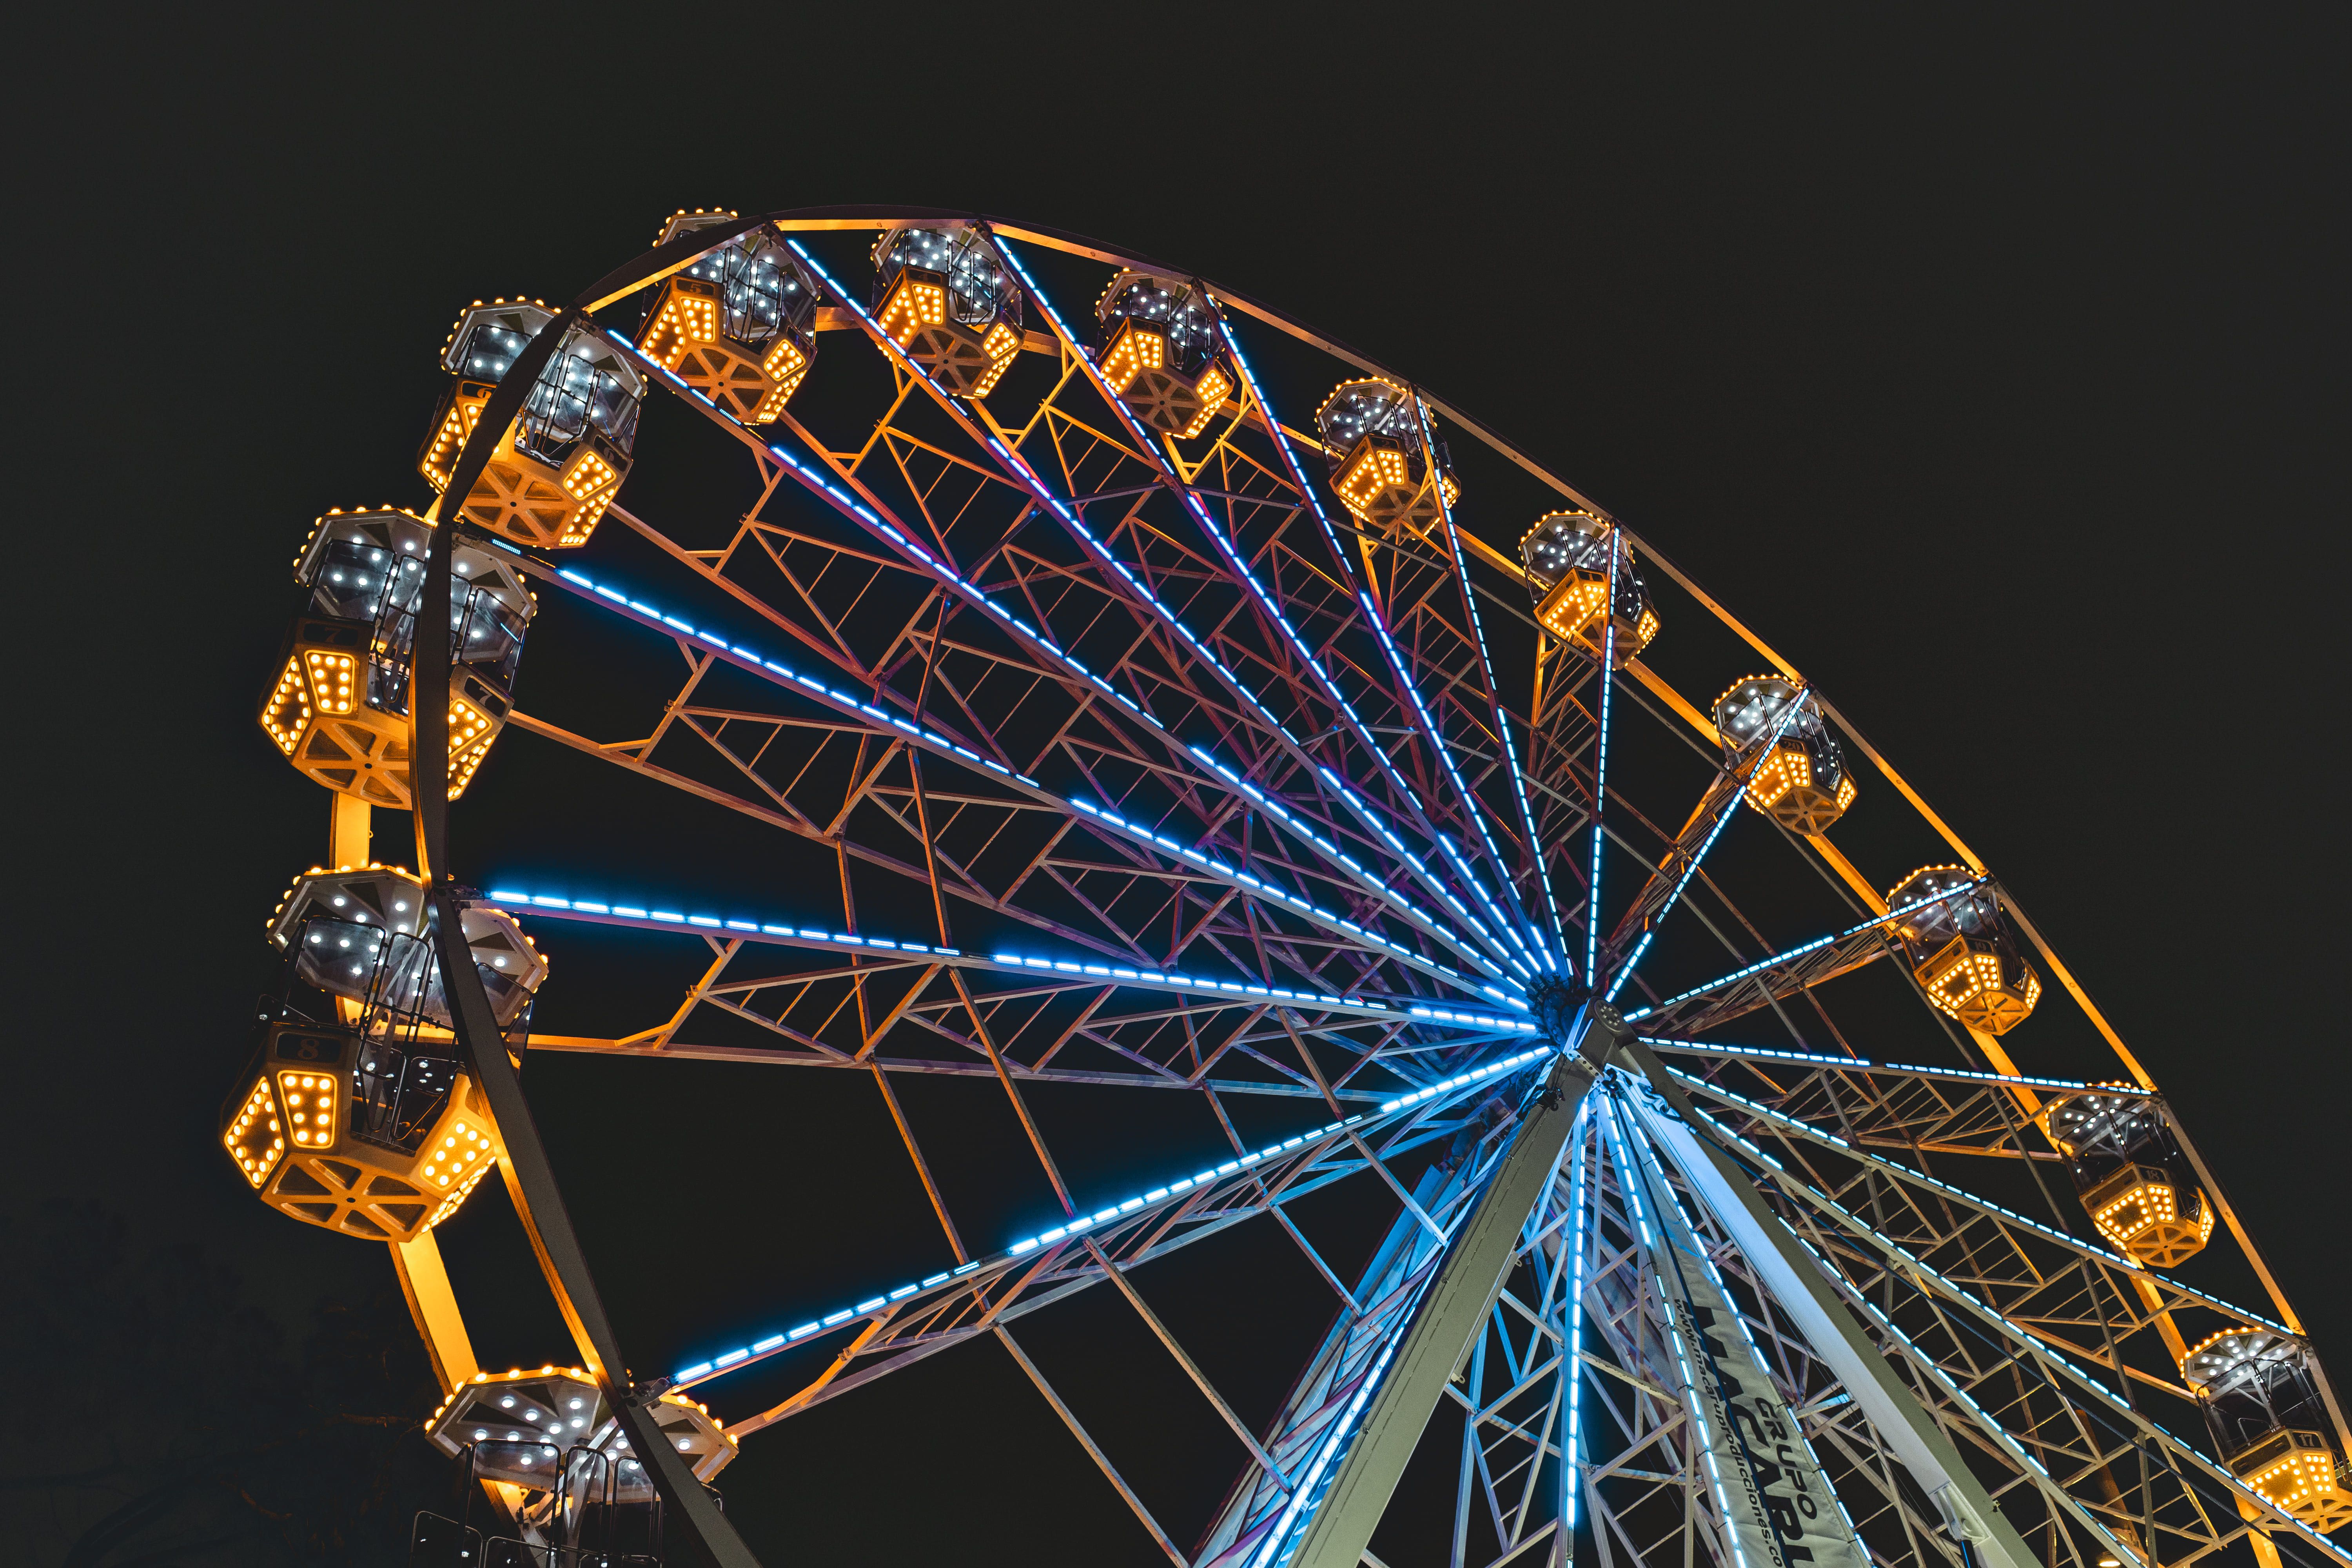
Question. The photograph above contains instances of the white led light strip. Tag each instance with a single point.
(1830, 1139)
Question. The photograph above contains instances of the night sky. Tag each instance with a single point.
(1990, 369)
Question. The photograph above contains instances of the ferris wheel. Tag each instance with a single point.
(1158, 698)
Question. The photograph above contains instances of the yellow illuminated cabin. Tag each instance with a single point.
(339, 706)
(359, 933)
(522, 1424)
(739, 325)
(2129, 1172)
(942, 294)
(371, 1126)
(1163, 351)
(297, 1132)
(1960, 949)
(1802, 782)
(2267, 1415)
(1568, 556)
(558, 467)
(1380, 461)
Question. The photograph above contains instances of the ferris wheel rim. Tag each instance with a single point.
(875, 216)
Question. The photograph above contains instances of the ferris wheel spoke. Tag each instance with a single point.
(1359, 1005)
(1532, 858)
(915, 1321)
(1062, 667)
(825, 643)
(1707, 820)
(1922, 1109)
(830, 1000)
(1119, 578)
(1298, 665)
(1146, 849)
(2057, 1421)
(1777, 975)
(777, 812)
(1605, 679)
(2024, 1241)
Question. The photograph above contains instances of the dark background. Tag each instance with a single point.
(1992, 367)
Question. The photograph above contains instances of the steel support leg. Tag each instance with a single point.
(1798, 1288)
(1346, 1509)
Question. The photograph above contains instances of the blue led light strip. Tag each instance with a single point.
(1730, 810)
(1241, 570)
(1284, 1539)
(1830, 1139)
(1572, 1446)
(1445, 754)
(849, 703)
(1636, 1178)
(1405, 682)
(1798, 951)
(1494, 706)
(1035, 484)
(1389, 895)
(1856, 1064)
(2032, 1349)
(1303, 1147)
(1399, 1010)
(1601, 758)
(948, 576)
(1506, 1065)
(1080, 1224)
(1740, 1321)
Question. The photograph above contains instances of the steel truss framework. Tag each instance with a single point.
(1205, 786)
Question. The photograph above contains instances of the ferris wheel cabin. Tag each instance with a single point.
(1569, 555)
(522, 1425)
(739, 324)
(1961, 951)
(548, 1444)
(1163, 351)
(941, 293)
(2133, 1181)
(1379, 464)
(1802, 781)
(2269, 1420)
(557, 468)
(338, 710)
(368, 1125)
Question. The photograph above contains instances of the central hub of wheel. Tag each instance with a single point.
(1555, 1002)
